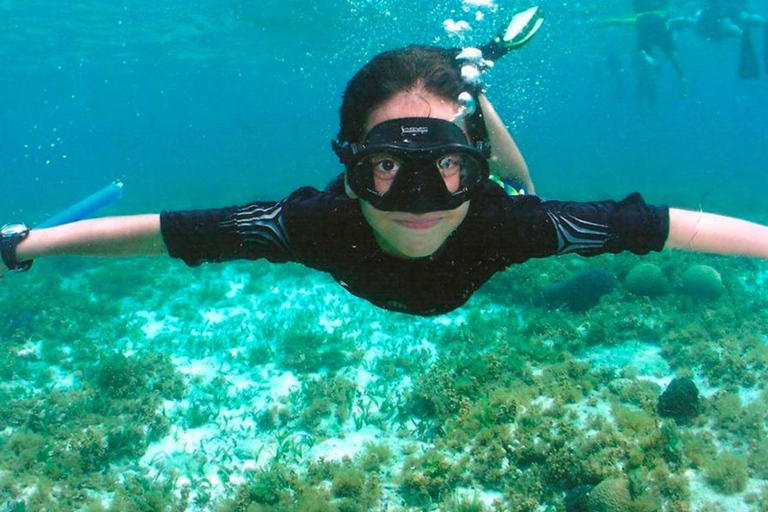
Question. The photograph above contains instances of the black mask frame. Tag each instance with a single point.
(418, 142)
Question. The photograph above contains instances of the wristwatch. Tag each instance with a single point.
(10, 236)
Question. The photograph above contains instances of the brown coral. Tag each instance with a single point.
(610, 495)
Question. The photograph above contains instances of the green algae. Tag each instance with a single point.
(304, 347)
(463, 504)
(280, 488)
(61, 440)
(727, 473)
(325, 396)
(427, 478)
(374, 456)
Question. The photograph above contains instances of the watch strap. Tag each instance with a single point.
(8, 252)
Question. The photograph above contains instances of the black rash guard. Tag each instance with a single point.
(327, 231)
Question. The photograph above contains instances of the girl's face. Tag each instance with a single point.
(403, 234)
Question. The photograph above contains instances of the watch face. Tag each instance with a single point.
(13, 229)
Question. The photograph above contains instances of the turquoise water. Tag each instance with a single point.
(202, 103)
(144, 385)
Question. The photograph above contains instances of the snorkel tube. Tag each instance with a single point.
(517, 32)
(474, 63)
(87, 207)
(520, 29)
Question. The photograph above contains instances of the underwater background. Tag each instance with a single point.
(144, 385)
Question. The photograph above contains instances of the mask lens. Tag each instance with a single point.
(377, 172)
(384, 169)
(460, 171)
(457, 171)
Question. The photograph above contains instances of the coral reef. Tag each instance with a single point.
(303, 399)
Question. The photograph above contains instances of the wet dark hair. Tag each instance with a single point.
(435, 69)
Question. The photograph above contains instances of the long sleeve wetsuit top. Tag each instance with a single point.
(327, 231)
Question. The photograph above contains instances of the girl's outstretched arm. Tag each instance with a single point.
(717, 234)
(133, 235)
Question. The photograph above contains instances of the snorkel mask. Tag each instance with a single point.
(412, 160)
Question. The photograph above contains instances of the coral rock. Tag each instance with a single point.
(582, 291)
(646, 279)
(680, 400)
(576, 498)
(702, 282)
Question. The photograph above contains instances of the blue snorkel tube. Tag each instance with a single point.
(87, 207)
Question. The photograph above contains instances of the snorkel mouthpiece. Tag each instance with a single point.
(416, 157)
